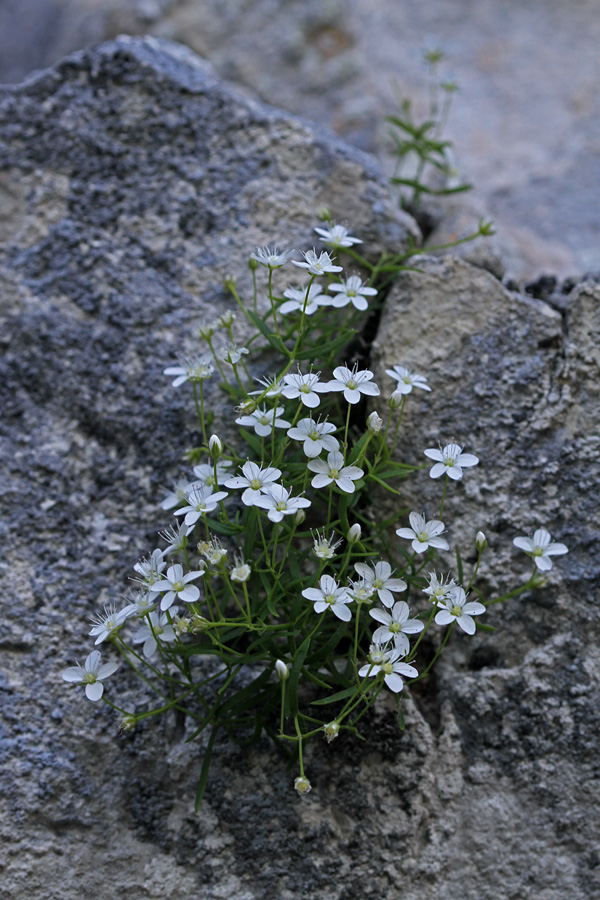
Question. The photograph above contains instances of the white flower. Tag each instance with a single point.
(212, 550)
(232, 354)
(540, 549)
(362, 590)
(179, 492)
(302, 784)
(351, 291)
(317, 265)
(215, 446)
(317, 436)
(241, 571)
(272, 387)
(177, 585)
(255, 479)
(439, 589)
(386, 661)
(380, 576)
(282, 669)
(330, 596)
(450, 461)
(200, 502)
(407, 380)
(226, 320)
(264, 420)
(205, 474)
(423, 534)
(374, 422)
(337, 236)
(150, 569)
(296, 299)
(141, 604)
(334, 471)
(157, 629)
(306, 387)
(395, 626)
(324, 548)
(271, 257)
(353, 383)
(331, 729)
(354, 533)
(193, 368)
(277, 500)
(92, 674)
(458, 610)
(106, 624)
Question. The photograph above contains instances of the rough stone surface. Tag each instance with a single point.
(134, 181)
(525, 123)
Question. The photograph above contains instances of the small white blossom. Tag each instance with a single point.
(450, 461)
(374, 422)
(386, 661)
(423, 534)
(439, 589)
(241, 571)
(279, 502)
(337, 236)
(354, 533)
(179, 493)
(407, 380)
(232, 354)
(317, 265)
(213, 551)
(282, 669)
(362, 590)
(200, 502)
(106, 624)
(306, 387)
(297, 301)
(141, 604)
(317, 436)
(92, 674)
(193, 368)
(226, 319)
(264, 420)
(255, 479)
(395, 626)
(333, 471)
(324, 548)
(271, 257)
(205, 474)
(331, 729)
(272, 387)
(380, 576)
(480, 541)
(302, 785)
(540, 548)
(351, 291)
(329, 595)
(458, 610)
(175, 537)
(158, 628)
(177, 585)
(215, 446)
(150, 569)
(353, 383)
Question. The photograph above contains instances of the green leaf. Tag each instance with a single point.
(481, 627)
(333, 698)
(401, 725)
(292, 685)
(205, 767)
(273, 339)
(459, 566)
(327, 347)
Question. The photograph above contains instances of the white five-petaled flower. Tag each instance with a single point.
(180, 489)
(353, 382)
(423, 534)
(458, 610)
(213, 551)
(337, 236)
(450, 461)
(142, 602)
(279, 502)
(241, 571)
(305, 387)
(395, 626)
(264, 420)
(272, 387)
(329, 595)
(380, 576)
(297, 300)
(439, 588)
(334, 471)
(193, 368)
(386, 661)
(361, 590)
(324, 548)
(407, 380)
(205, 474)
(317, 265)
(177, 585)
(540, 548)
(150, 569)
(158, 628)
(271, 257)
(351, 291)
(254, 479)
(317, 436)
(232, 354)
(104, 625)
(92, 674)
(200, 501)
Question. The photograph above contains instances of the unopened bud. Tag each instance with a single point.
(374, 422)
(252, 264)
(198, 623)
(127, 723)
(395, 400)
(302, 784)
(283, 673)
(332, 729)
(324, 214)
(215, 447)
(229, 282)
(299, 516)
(480, 541)
(354, 533)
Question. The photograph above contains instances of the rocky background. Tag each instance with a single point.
(133, 180)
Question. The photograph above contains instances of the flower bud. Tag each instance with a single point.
(252, 264)
(225, 320)
(332, 729)
(229, 282)
(395, 400)
(198, 623)
(283, 673)
(302, 784)
(299, 517)
(354, 533)
(127, 723)
(215, 447)
(324, 214)
(241, 572)
(480, 541)
(374, 422)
